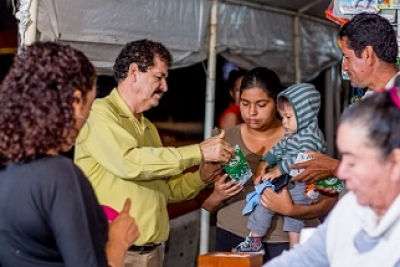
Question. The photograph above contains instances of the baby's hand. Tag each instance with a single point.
(261, 169)
(272, 174)
(257, 179)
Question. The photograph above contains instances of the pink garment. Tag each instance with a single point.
(111, 213)
(233, 108)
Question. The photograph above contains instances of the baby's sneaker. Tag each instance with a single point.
(251, 245)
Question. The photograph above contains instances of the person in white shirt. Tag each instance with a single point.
(364, 227)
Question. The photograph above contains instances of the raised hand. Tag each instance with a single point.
(124, 228)
(122, 232)
(216, 149)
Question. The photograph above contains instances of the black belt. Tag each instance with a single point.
(143, 249)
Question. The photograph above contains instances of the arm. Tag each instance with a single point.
(261, 171)
(311, 253)
(309, 139)
(180, 208)
(136, 153)
(275, 153)
(125, 153)
(282, 203)
(208, 198)
(75, 218)
(181, 189)
(186, 186)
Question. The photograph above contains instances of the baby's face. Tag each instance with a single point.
(289, 120)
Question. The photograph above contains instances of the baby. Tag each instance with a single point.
(298, 106)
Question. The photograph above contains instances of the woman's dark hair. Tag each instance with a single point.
(141, 52)
(380, 118)
(36, 98)
(263, 78)
(233, 76)
(371, 30)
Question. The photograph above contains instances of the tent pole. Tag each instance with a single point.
(297, 49)
(30, 34)
(27, 17)
(209, 110)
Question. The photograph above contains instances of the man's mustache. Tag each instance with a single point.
(159, 91)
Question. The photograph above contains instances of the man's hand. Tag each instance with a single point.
(210, 172)
(316, 169)
(216, 149)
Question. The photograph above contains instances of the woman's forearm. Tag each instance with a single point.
(115, 254)
(315, 210)
(212, 203)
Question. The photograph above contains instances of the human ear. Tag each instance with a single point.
(133, 70)
(369, 54)
(77, 102)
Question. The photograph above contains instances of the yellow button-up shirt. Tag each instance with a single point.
(123, 157)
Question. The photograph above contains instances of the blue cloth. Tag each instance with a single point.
(253, 198)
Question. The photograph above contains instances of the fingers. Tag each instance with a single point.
(304, 177)
(221, 180)
(326, 190)
(227, 189)
(313, 153)
(216, 149)
(127, 206)
(222, 134)
(267, 177)
(300, 165)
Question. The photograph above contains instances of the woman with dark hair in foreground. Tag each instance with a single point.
(50, 214)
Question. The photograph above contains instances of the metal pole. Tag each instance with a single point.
(329, 113)
(297, 49)
(297, 39)
(30, 34)
(209, 110)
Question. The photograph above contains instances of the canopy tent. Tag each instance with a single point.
(249, 33)
(290, 37)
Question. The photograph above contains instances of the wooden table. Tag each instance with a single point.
(229, 259)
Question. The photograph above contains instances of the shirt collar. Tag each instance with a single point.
(390, 84)
(121, 107)
(370, 223)
(387, 86)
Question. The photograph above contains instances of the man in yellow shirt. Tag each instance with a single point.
(121, 152)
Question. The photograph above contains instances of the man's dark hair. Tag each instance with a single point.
(142, 53)
(373, 30)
